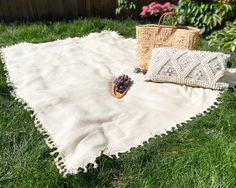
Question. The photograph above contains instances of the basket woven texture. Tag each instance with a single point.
(156, 35)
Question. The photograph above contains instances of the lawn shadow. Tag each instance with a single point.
(110, 169)
(5, 91)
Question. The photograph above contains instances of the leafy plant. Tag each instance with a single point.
(125, 5)
(205, 15)
(225, 38)
(226, 1)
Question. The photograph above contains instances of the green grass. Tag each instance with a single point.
(202, 153)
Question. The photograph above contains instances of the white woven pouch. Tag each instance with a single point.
(187, 67)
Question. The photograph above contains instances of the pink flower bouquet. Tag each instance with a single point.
(155, 8)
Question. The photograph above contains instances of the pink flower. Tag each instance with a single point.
(145, 8)
(152, 5)
(144, 11)
(156, 5)
(155, 8)
(166, 6)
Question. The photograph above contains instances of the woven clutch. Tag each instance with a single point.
(186, 67)
(152, 36)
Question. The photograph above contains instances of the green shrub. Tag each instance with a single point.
(225, 38)
(125, 5)
(205, 15)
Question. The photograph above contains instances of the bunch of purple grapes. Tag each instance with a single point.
(122, 83)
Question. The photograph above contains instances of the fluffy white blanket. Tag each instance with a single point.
(67, 83)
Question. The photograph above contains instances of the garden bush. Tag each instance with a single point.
(225, 38)
(125, 5)
(151, 9)
(205, 15)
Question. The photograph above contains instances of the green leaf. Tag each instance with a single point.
(210, 13)
(225, 38)
(233, 48)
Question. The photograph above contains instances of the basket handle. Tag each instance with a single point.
(162, 19)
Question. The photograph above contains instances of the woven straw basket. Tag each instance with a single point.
(151, 36)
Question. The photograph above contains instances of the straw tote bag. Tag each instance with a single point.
(156, 35)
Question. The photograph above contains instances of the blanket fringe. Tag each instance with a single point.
(177, 126)
(60, 163)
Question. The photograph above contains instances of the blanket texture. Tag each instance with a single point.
(67, 83)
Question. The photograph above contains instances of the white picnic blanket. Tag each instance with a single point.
(67, 83)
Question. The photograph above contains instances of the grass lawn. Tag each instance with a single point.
(202, 153)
